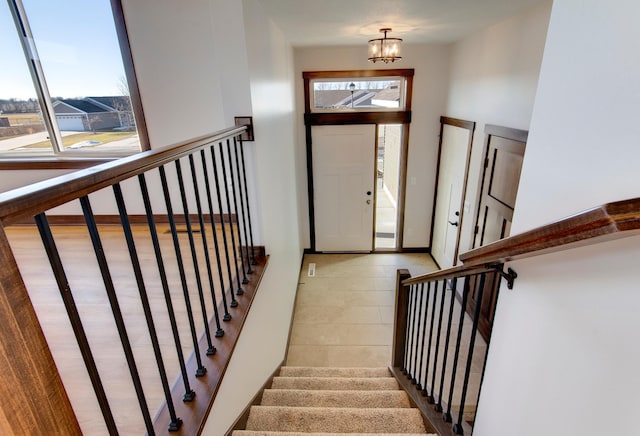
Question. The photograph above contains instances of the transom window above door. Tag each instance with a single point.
(358, 94)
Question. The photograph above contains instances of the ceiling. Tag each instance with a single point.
(353, 22)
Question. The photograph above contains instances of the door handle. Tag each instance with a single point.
(456, 223)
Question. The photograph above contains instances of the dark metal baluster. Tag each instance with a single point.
(422, 386)
(211, 350)
(413, 329)
(493, 316)
(416, 376)
(431, 397)
(438, 406)
(457, 428)
(234, 303)
(433, 315)
(189, 394)
(246, 197)
(239, 291)
(201, 370)
(407, 348)
(76, 322)
(244, 218)
(205, 245)
(226, 316)
(176, 422)
(115, 309)
(465, 294)
(245, 280)
(412, 291)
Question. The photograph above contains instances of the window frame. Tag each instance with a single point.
(62, 158)
(402, 103)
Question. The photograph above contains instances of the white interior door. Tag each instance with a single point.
(449, 201)
(343, 180)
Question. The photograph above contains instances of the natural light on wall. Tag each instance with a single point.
(63, 87)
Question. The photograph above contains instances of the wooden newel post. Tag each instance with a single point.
(400, 319)
(32, 398)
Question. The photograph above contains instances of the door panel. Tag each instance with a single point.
(343, 169)
(503, 163)
(507, 162)
(455, 147)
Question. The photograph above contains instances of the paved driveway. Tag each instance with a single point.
(21, 141)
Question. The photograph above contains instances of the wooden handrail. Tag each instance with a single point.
(30, 200)
(448, 273)
(604, 223)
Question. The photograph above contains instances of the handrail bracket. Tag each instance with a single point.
(510, 276)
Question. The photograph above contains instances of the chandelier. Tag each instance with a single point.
(385, 49)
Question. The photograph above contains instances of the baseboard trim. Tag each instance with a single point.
(241, 422)
(425, 250)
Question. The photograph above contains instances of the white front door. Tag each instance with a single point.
(343, 182)
(448, 214)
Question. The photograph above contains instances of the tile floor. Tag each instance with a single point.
(344, 315)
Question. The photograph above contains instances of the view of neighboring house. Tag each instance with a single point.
(94, 113)
(388, 97)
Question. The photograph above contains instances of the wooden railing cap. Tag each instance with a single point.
(603, 223)
(28, 201)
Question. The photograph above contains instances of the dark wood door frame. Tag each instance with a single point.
(491, 131)
(492, 284)
(345, 118)
(463, 124)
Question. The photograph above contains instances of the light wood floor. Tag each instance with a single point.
(89, 292)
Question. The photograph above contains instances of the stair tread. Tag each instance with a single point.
(315, 371)
(335, 420)
(335, 383)
(335, 398)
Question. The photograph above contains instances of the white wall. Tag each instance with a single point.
(262, 345)
(564, 357)
(429, 97)
(494, 74)
(172, 46)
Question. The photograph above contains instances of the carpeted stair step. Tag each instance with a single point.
(306, 398)
(333, 401)
(287, 433)
(335, 420)
(307, 371)
(336, 383)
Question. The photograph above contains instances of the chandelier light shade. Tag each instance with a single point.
(385, 49)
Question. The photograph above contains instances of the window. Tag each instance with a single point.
(358, 94)
(64, 89)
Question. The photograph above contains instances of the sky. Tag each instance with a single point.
(77, 45)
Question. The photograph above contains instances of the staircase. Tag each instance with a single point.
(331, 401)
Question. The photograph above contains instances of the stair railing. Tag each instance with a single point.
(436, 341)
(205, 273)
